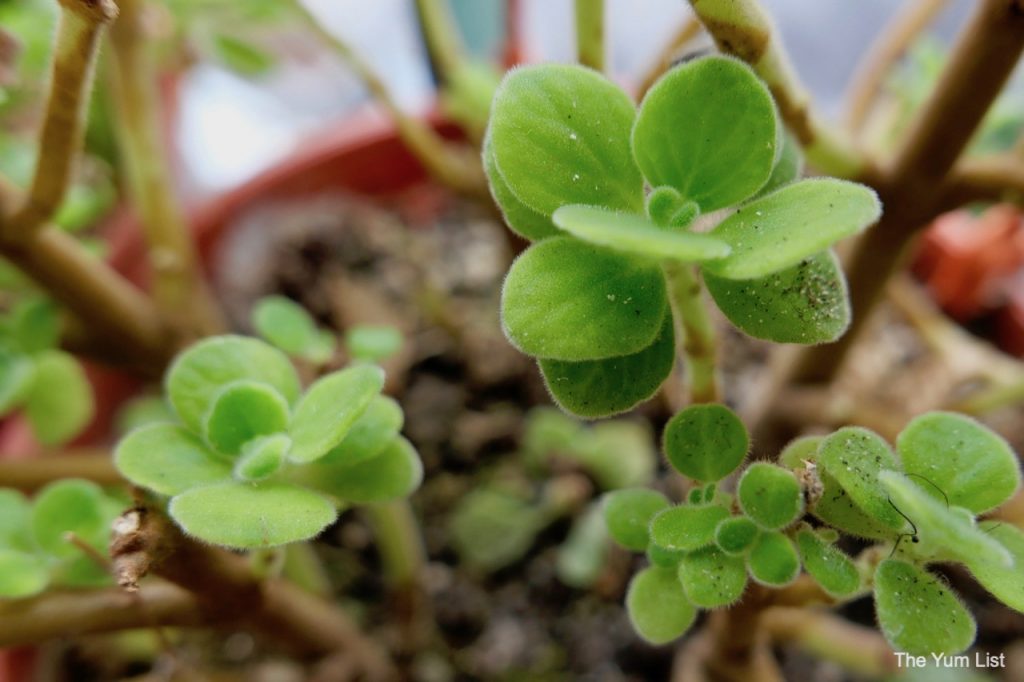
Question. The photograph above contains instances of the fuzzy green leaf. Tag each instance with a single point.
(393, 474)
(687, 527)
(799, 451)
(854, 456)
(836, 508)
(197, 375)
(708, 129)
(15, 513)
(1006, 584)
(372, 343)
(788, 168)
(618, 454)
(972, 465)
(288, 326)
(262, 457)
(560, 135)
(16, 373)
(583, 556)
(828, 565)
(69, 506)
(705, 442)
(59, 402)
(668, 208)
(567, 300)
(781, 229)
(520, 218)
(492, 528)
(635, 234)
(330, 408)
(736, 534)
(374, 429)
(712, 578)
(918, 613)
(244, 410)
(657, 606)
(168, 459)
(770, 495)
(602, 388)
(628, 514)
(665, 558)
(250, 516)
(35, 325)
(21, 574)
(773, 560)
(806, 303)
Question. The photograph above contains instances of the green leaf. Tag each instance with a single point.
(198, 374)
(918, 613)
(35, 325)
(736, 534)
(244, 410)
(787, 226)
(705, 442)
(168, 459)
(712, 578)
(972, 465)
(520, 218)
(665, 558)
(560, 135)
(854, 457)
(836, 508)
(330, 408)
(564, 299)
(69, 506)
(657, 606)
(289, 327)
(707, 128)
(374, 429)
(22, 574)
(799, 451)
(602, 388)
(372, 343)
(770, 495)
(143, 410)
(15, 513)
(262, 457)
(628, 514)
(16, 374)
(773, 560)
(669, 209)
(583, 556)
(492, 528)
(249, 516)
(687, 527)
(788, 168)
(1005, 584)
(393, 474)
(828, 565)
(806, 303)
(635, 234)
(618, 453)
(59, 402)
(242, 56)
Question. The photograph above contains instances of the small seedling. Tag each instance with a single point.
(946, 471)
(256, 461)
(569, 158)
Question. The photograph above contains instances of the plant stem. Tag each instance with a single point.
(398, 541)
(34, 473)
(687, 32)
(590, 50)
(695, 329)
(888, 48)
(79, 31)
(178, 286)
(741, 28)
(987, 179)
(441, 37)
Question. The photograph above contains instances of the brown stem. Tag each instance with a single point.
(856, 648)
(888, 48)
(79, 30)
(687, 32)
(31, 474)
(988, 179)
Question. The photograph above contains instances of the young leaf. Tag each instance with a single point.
(736, 534)
(330, 408)
(374, 429)
(16, 373)
(59, 402)
(665, 558)
(567, 300)
(805, 303)
(68, 506)
(773, 560)
(35, 325)
(628, 514)
(687, 527)
(249, 516)
(708, 129)
(799, 451)
(371, 343)
(836, 508)
(635, 234)
(791, 224)
(198, 374)
(705, 442)
(602, 388)
(712, 578)
(520, 218)
(393, 474)
(1006, 584)
(618, 454)
(657, 606)
(584, 555)
(168, 459)
(491, 528)
(770, 495)
(918, 613)
(668, 208)
(15, 513)
(262, 457)
(854, 456)
(828, 565)
(972, 465)
(21, 574)
(244, 410)
(560, 135)
(788, 168)
(288, 326)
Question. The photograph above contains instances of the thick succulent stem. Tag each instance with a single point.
(696, 331)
